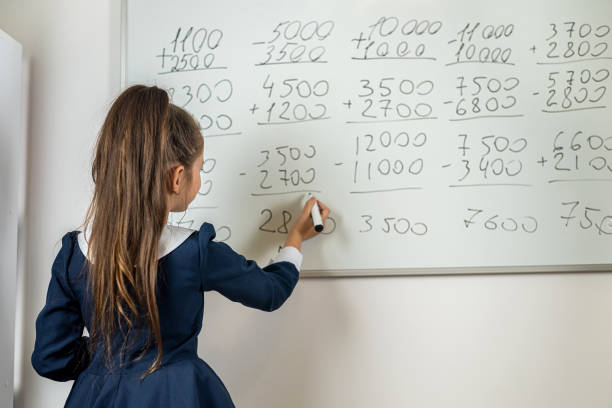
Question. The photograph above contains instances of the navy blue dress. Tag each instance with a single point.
(198, 264)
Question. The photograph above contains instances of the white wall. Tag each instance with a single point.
(462, 341)
(12, 165)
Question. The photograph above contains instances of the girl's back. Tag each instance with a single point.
(190, 263)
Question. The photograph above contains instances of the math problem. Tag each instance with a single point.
(439, 135)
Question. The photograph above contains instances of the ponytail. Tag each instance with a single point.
(141, 139)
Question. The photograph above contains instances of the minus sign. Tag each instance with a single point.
(536, 93)
(338, 164)
(452, 41)
(243, 174)
(446, 165)
(447, 102)
(258, 43)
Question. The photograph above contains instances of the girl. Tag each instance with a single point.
(136, 283)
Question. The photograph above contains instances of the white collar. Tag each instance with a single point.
(171, 237)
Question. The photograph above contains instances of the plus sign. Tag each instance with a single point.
(254, 108)
(348, 104)
(542, 161)
(533, 49)
(359, 40)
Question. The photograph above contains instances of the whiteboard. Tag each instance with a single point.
(446, 137)
(11, 166)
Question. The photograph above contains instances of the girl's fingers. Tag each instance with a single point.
(307, 208)
(323, 210)
(322, 207)
(324, 215)
(305, 216)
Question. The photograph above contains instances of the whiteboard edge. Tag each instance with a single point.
(446, 271)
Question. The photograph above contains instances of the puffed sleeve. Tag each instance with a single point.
(242, 280)
(60, 351)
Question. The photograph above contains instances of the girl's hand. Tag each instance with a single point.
(303, 229)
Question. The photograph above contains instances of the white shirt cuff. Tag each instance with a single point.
(289, 254)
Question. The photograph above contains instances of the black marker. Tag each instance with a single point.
(316, 215)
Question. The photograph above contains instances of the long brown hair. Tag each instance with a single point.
(143, 137)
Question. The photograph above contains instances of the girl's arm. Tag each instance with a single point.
(61, 351)
(242, 280)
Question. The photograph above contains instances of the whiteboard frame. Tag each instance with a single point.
(464, 270)
(423, 271)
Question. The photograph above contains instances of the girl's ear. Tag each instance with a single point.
(176, 178)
